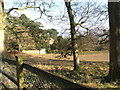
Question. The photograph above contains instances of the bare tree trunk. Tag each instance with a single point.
(1, 38)
(1, 30)
(73, 36)
(3, 15)
(114, 20)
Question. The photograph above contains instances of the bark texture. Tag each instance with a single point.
(114, 21)
(1, 29)
(73, 36)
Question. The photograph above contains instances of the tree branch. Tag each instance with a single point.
(80, 24)
(20, 9)
(11, 10)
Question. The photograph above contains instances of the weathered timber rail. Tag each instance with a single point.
(57, 80)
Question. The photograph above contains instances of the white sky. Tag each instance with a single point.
(34, 15)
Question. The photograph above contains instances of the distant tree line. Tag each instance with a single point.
(42, 36)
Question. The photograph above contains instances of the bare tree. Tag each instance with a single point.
(86, 16)
(73, 36)
(78, 16)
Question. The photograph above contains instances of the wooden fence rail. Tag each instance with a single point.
(9, 77)
(59, 81)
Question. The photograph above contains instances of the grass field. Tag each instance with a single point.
(94, 66)
(93, 52)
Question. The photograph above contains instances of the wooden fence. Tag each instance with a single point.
(57, 80)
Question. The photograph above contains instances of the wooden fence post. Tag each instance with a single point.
(20, 73)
